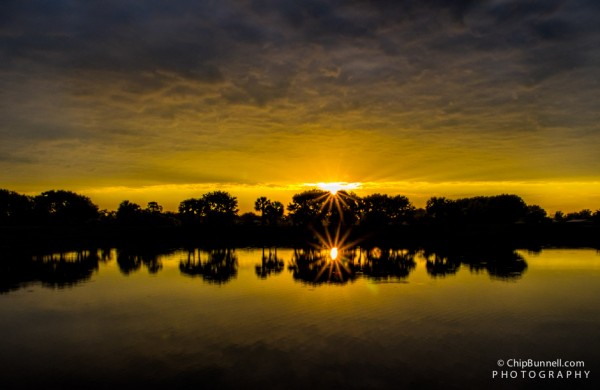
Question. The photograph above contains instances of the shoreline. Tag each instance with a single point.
(518, 236)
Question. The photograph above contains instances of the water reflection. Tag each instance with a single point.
(439, 264)
(270, 264)
(502, 264)
(56, 270)
(388, 264)
(214, 266)
(318, 266)
(507, 265)
(174, 331)
(314, 265)
(132, 259)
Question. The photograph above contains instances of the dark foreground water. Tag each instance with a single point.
(294, 319)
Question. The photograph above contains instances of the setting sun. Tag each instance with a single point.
(334, 187)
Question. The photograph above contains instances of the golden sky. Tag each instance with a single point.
(162, 101)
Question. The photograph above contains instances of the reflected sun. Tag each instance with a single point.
(336, 252)
(333, 253)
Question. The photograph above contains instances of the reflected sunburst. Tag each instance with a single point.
(336, 250)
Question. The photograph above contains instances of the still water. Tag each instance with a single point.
(286, 318)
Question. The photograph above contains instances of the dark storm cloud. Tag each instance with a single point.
(313, 20)
(198, 40)
(115, 36)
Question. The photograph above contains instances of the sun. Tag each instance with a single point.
(334, 187)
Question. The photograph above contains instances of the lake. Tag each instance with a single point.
(285, 318)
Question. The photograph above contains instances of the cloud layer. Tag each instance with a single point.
(111, 93)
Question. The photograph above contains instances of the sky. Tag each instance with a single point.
(166, 100)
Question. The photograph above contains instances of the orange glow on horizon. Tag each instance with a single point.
(566, 196)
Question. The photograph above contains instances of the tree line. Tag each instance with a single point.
(314, 207)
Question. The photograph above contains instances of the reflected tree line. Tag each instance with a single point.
(394, 265)
(132, 260)
(499, 263)
(58, 270)
(215, 266)
(309, 265)
(270, 264)
(317, 266)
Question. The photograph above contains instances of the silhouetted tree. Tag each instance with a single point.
(214, 208)
(536, 214)
(15, 209)
(154, 208)
(261, 205)
(271, 212)
(219, 207)
(274, 212)
(191, 211)
(442, 210)
(500, 209)
(249, 219)
(380, 210)
(107, 216)
(129, 213)
(307, 208)
(64, 207)
(153, 216)
(505, 209)
(585, 215)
